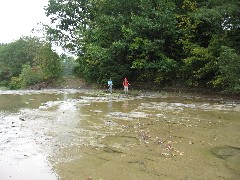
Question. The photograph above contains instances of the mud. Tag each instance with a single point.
(82, 134)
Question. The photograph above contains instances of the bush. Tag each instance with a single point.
(30, 76)
(199, 67)
(15, 83)
(229, 68)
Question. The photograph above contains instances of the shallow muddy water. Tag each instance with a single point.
(73, 134)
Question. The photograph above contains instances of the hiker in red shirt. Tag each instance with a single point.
(125, 85)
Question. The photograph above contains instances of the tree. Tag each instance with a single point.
(151, 35)
(110, 31)
(49, 62)
(28, 57)
(205, 27)
(229, 69)
(14, 55)
(154, 40)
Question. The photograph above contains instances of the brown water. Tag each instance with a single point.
(68, 134)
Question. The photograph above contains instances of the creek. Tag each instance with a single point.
(90, 134)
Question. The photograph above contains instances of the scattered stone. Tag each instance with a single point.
(190, 142)
(22, 119)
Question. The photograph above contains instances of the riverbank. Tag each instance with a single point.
(136, 87)
(72, 82)
(142, 89)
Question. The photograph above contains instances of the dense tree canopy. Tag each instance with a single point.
(27, 61)
(16, 54)
(161, 41)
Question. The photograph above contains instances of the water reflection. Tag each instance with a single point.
(125, 105)
(110, 103)
(25, 167)
(20, 157)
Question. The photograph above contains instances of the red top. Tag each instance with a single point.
(125, 82)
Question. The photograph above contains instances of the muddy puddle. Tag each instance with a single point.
(70, 134)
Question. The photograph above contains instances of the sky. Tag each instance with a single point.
(19, 17)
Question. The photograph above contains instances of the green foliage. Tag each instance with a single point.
(229, 69)
(111, 44)
(30, 76)
(42, 63)
(161, 70)
(49, 62)
(14, 55)
(15, 83)
(199, 67)
(150, 40)
(205, 27)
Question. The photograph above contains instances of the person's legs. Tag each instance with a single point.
(126, 89)
(110, 88)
